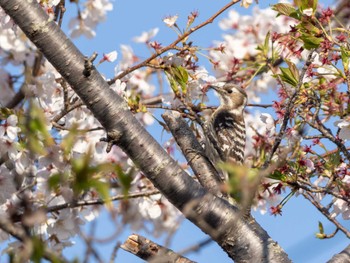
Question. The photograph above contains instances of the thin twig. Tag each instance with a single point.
(60, 127)
(327, 133)
(289, 109)
(259, 105)
(318, 190)
(100, 201)
(114, 252)
(173, 45)
(196, 247)
(64, 112)
(325, 212)
(19, 233)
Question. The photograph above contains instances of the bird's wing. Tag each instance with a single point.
(230, 133)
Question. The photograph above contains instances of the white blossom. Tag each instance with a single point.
(9, 128)
(308, 11)
(170, 20)
(344, 127)
(269, 122)
(146, 36)
(246, 3)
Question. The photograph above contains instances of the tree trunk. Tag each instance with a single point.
(243, 241)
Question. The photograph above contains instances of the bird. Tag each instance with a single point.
(226, 134)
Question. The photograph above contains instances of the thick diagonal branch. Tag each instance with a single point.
(194, 153)
(243, 241)
(343, 256)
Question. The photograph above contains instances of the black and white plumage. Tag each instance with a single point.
(226, 127)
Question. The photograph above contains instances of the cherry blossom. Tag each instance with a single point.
(64, 225)
(249, 31)
(246, 3)
(120, 88)
(146, 36)
(79, 27)
(344, 127)
(87, 20)
(139, 79)
(5, 20)
(110, 57)
(7, 186)
(232, 59)
(341, 207)
(170, 20)
(9, 129)
(128, 58)
(267, 198)
(231, 22)
(270, 123)
(308, 11)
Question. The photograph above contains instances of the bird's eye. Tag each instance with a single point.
(229, 91)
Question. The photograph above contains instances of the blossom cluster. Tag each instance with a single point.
(49, 137)
(249, 44)
(44, 140)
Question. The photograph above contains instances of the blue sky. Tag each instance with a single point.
(295, 230)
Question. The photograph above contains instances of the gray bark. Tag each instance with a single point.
(342, 257)
(243, 241)
(194, 154)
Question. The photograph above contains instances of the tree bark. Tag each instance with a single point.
(343, 256)
(152, 252)
(243, 241)
(203, 169)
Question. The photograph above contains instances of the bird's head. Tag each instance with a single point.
(231, 96)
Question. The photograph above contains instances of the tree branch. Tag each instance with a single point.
(100, 201)
(173, 45)
(17, 232)
(243, 241)
(343, 256)
(204, 170)
(289, 109)
(150, 251)
(325, 212)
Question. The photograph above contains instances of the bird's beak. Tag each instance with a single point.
(216, 88)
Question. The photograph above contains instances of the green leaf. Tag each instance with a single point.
(306, 4)
(173, 84)
(241, 180)
(277, 175)
(82, 172)
(310, 41)
(5, 113)
(288, 76)
(69, 140)
(293, 69)
(320, 234)
(265, 47)
(309, 29)
(181, 77)
(38, 250)
(286, 9)
(124, 178)
(345, 54)
(335, 159)
(55, 180)
(320, 227)
(102, 188)
(34, 126)
(177, 76)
